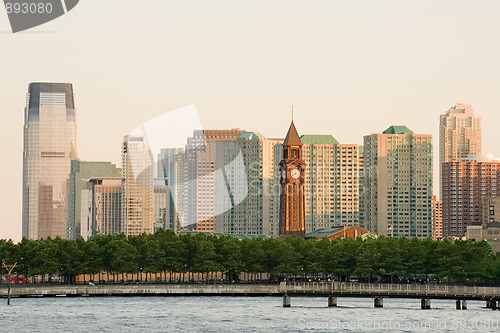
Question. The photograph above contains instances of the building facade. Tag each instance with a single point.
(348, 170)
(49, 147)
(137, 187)
(162, 205)
(247, 187)
(465, 184)
(459, 135)
(489, 233)
(397, 183)
(437, 218)
(491, 209)
(319, 153)
(200, 169)
(81, 172)
(171, 167)
(100, 212)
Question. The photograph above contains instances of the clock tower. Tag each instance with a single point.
(292, 176)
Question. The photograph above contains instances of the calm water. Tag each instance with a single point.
(239, 314)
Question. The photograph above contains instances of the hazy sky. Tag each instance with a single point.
(350, 68)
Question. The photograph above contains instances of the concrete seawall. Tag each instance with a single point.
(144, 290)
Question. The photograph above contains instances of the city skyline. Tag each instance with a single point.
(46, 98)
(317, 139)
(349, 70)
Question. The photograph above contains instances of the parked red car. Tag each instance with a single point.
(17, 279)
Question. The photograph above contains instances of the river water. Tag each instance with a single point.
(240, 314)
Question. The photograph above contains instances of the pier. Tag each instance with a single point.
(333, 290)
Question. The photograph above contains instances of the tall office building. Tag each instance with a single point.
(246, 187)
(200, 157)
(397, 183)
(459, 135)
(465, 184)
(162, 205)
(171, 167)
(100, 212)
(81, 172)
(137, 187)
(49, 147)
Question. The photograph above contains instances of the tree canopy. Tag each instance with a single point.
(387, 259)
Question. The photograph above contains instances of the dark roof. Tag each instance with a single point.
(292, 138)
(251, 136)
(324, 232)
(398, 130)
(495, 224)
(218, 234)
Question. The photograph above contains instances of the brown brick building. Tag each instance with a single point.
(465, 184)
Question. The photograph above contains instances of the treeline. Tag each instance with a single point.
(385, 259)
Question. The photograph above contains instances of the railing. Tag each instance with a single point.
(325, 287)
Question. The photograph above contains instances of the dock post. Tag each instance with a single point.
(332, 301)
(493, 304)
(379, 302)
(425, 303)
(458, 305)
(488, 304)
(464, 305)
(287, 301)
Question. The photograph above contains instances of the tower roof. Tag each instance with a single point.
(398, 130)
(292, 137)
(318, 139)
(251, 136)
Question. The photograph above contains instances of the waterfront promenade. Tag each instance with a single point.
(330, 290)
(144, 290)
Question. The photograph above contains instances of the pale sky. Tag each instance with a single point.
(350, 68)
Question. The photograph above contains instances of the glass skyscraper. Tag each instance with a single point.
(49, 147)
(137, 197)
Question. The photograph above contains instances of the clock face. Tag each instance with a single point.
(295, 173)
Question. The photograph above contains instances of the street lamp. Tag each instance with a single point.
(9, 269)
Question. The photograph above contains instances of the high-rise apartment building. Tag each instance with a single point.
(465, 184)
(49, 147)
(137, 187)
(81, 172)
(319, 153)
(437, 218)
(397, 183)
(247, 187)
(348, 168)
(459, 135)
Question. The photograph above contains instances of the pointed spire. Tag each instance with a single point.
(292, 138)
